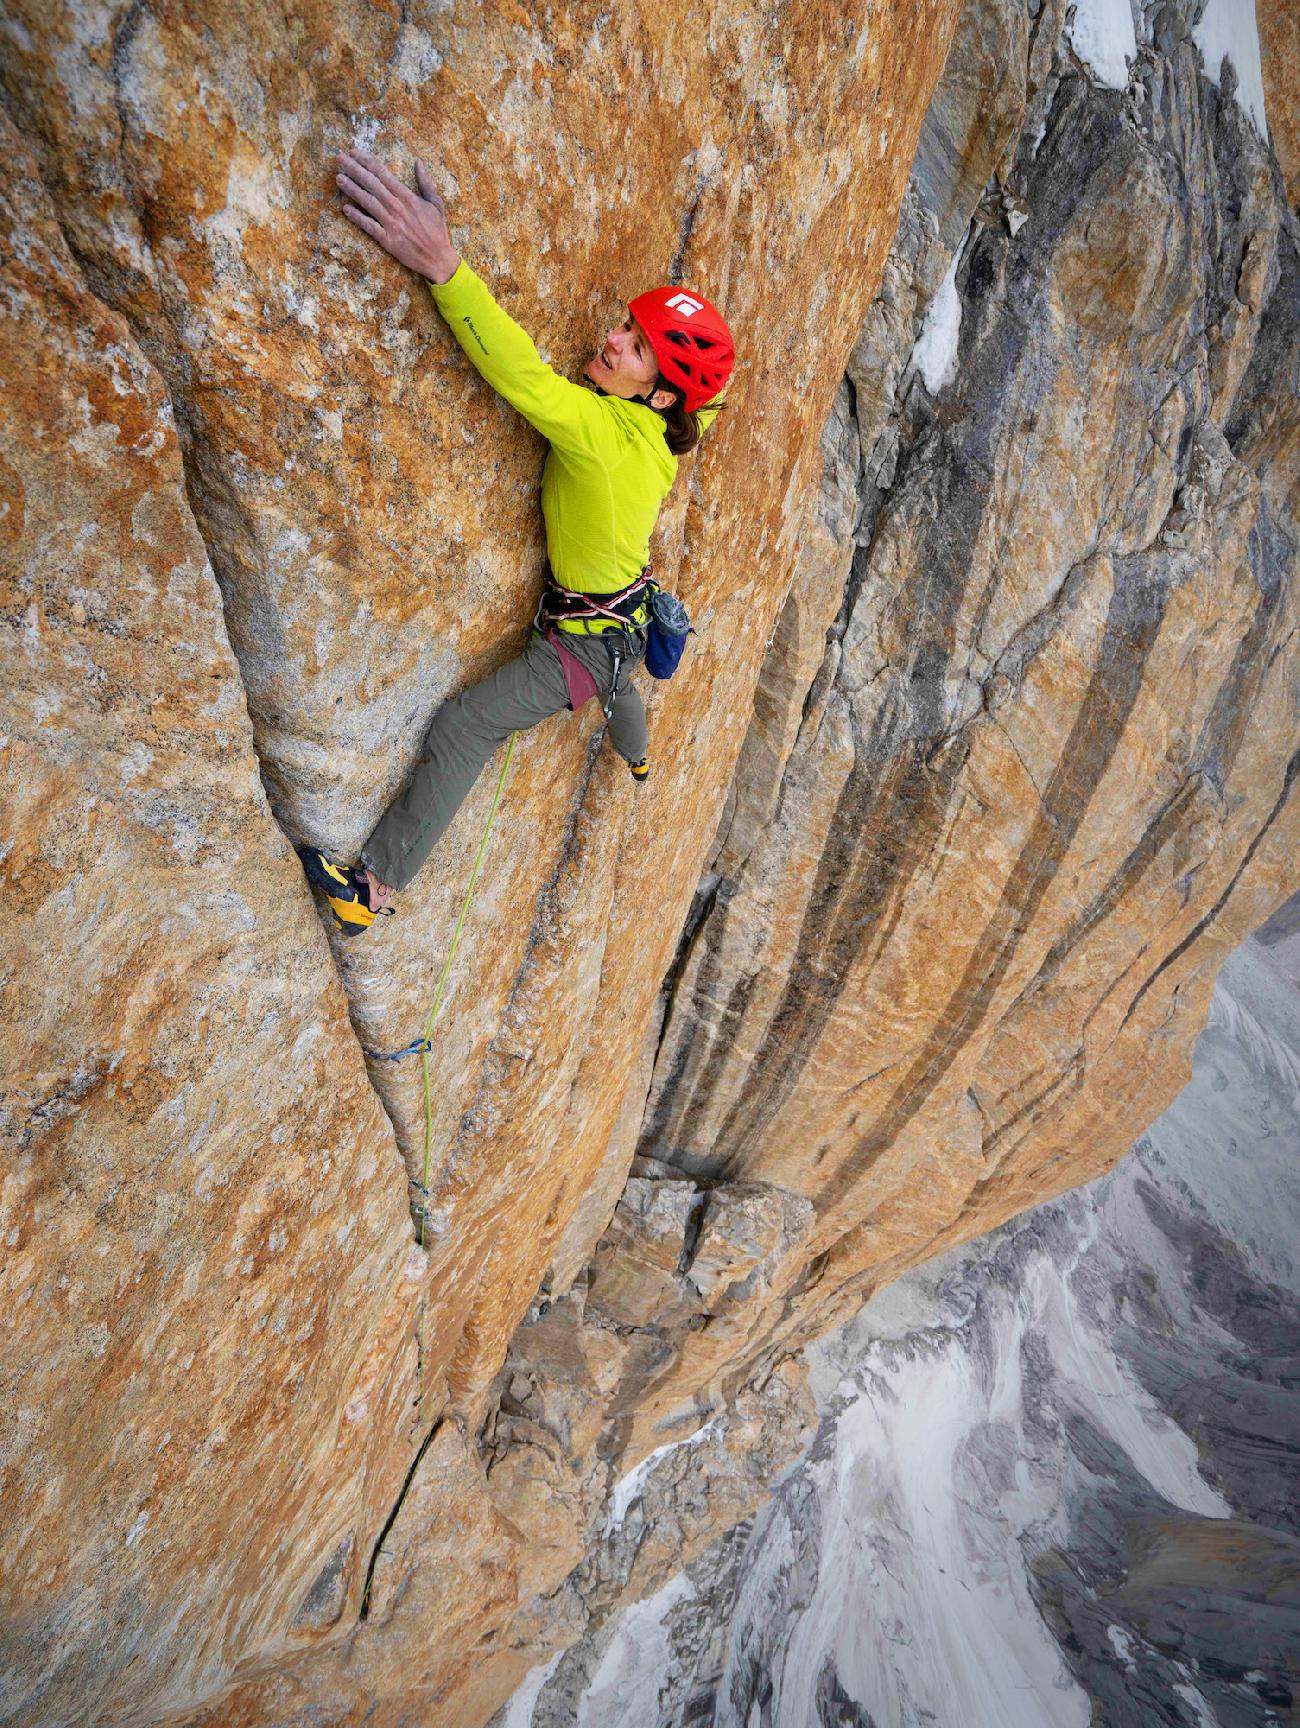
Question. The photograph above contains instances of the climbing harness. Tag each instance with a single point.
(626, 609)
(620, 617)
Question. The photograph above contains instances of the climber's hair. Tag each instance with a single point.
(681, 428)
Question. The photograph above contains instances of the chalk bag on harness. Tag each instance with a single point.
(666, 638)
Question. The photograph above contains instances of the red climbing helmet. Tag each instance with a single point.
(691, 341)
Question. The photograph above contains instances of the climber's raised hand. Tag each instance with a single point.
(410, 227)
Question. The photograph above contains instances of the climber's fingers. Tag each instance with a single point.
(360, 195)
(364, 183)
(410, 226)
(368, 223)
(382, 178)
(428, 191)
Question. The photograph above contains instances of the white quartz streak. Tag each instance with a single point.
(935, 353)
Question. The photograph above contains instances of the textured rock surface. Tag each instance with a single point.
(1055, 1480)
(1016, 775)
(370, 512)
(1279, 41)
(207, 1313)
(1009, 834)
(999, 812)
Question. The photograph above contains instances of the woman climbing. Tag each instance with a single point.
(612, 460)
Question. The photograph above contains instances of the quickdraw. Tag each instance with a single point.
(418, 1047)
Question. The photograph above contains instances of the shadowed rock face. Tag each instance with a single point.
(986, 838)
(1015, 776)
(985, 844)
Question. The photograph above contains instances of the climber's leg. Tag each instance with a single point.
(627, 728)
(464, 733)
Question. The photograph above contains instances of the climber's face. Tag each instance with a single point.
(625, 364)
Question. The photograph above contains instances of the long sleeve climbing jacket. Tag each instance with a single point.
(608, 470)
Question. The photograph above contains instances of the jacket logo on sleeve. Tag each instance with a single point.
(684, 304)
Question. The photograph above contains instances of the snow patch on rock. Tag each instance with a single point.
(623, 1691)
(1227, 31)
(519, 1711)
(1102, 34)
(631, 1487)
(935, 353)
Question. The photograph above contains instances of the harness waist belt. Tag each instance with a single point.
(569, 609)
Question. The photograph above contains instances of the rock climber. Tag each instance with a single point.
(613, 455)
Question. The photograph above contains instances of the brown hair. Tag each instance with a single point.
(681, 429)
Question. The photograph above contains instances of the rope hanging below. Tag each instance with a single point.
(421, 1047)
(424, 1043)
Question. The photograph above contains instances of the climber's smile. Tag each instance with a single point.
(624, 364)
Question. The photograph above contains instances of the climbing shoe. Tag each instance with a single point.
(640, 771)
(345, 890)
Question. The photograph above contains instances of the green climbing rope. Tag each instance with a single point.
(433, 1013)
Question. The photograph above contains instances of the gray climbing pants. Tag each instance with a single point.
(470, 727)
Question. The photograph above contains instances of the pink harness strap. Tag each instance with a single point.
(578, 681)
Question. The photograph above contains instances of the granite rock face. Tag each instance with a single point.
(1004, 802)
(944, 957)
(205, 1272)
(259, 518)
(995, 693)
(1279, 41)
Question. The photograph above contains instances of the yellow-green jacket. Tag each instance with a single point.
(608, 470)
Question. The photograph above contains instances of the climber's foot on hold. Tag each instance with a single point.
(640, 770)
(355, 897)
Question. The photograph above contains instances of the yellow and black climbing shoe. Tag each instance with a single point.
(640, 771)
(345, 891)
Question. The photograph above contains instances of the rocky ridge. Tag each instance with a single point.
(1018, 774)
